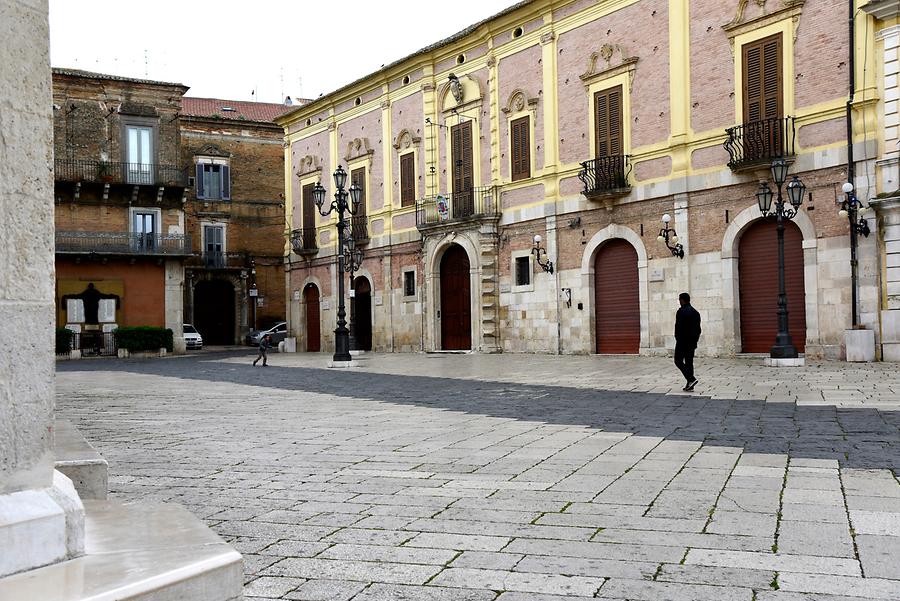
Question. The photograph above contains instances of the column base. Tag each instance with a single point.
(794, 362)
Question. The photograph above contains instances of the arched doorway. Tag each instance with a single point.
(214, 311)
(758, 281)
(362, 314)
(456, 300)
(311, 302)
(617, 308)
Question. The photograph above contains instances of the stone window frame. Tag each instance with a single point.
(359, 154)
(157, 218)
(753, 32)
(598, 81)
(415, 296)
(207, 159)
(137, 121)
(518, 254)
(521, 105)
(405, 143)
(203, 226)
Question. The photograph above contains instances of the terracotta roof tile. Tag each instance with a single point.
(234, 110)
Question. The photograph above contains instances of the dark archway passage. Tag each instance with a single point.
(617, 308)
(456, 300)
(362, 313)
(313, 335)
(214, 311)
(758, 277)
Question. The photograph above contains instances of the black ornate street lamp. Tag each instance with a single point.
(341, 206)
(850, 208)
(352, 262)
(670, 238)
(784, 347)
(538, 251)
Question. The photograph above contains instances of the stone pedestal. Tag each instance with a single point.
(290, 345)
(888, 211)
(890, 335)
(771, 362)
(860, 345)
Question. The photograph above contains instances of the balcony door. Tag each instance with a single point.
(145, 230)
(214, 240)
(308, 231)
(463, 169)
(763, 98)
(139, 154)
(608, 166)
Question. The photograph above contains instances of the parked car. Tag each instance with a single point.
(192, 338)
(278, 333)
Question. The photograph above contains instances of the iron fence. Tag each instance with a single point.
(760, 142)
(464, 204)
(123, 243)
(146, 174)
(94, 344)
(605, 175)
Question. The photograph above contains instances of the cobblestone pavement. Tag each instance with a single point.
(515, 478)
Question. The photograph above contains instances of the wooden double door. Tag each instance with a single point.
(456, 300)
(313, 333)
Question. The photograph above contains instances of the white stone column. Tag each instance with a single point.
(41, 517)
(175, 303)
(888, 211)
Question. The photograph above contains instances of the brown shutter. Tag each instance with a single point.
(608, 125)
(358, 177)
(407, 179)
(521, 149)
(617, 308)
(309, 207)
(461, 156)
(762, 85)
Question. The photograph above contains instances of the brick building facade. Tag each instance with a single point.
(235, 216)
(565, 120)
(119, 190)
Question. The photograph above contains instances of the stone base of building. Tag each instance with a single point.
(146, 552)
(79, 461)
(772, 362)
(40, 527)
(860, 345)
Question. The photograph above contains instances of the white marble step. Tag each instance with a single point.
(77, 459)
(137, 552)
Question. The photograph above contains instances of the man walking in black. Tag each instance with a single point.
(687, 333)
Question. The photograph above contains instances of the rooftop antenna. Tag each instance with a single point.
(281, 78)
(146, 61)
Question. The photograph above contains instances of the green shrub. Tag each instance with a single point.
(144, 338)
(64, 340)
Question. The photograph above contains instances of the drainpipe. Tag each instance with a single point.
(851, 171)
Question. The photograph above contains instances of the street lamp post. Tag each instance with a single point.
(341, 206)
(850, 209)
(784, 347)
(352, 263)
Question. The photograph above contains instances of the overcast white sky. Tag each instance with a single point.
(226, 49)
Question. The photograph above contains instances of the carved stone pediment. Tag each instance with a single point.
(406, 140)
(212, 150)
(471, 92)
(762, 13)
(358, 148)
(605, 63)
(519, 101)
(308, 165)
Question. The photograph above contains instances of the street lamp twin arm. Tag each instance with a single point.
(340, 205)
(668, 236)
(539, 251)
(851, 208)
(784, 347)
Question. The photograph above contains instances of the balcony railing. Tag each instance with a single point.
(122, 243)
(78, 170)
(359, 228)
(759, 142)
(218, 260)
(303, 241)
(214, 260)
(483, 202)
(606, 176)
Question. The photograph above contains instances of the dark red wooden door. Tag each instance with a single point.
(616, 299)
(313, 336)
(758, 276)
(456, 302)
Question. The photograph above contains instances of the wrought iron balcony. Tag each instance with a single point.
(105, 172)
(606, 176)
(759, 142)
(218, 260)
(474, 203)
(214, 260)
(122, 243)
(303, 241)
(359, 228)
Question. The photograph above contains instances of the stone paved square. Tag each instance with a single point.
(514, 477)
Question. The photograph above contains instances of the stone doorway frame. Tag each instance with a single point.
(731, 310)
(241, 309)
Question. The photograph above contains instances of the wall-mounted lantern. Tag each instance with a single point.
(670, 238)
(538, 251)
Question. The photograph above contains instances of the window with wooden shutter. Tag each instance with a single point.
(407, 179)
(309, 207)
(608, 123)
(520, 142)
(358, 178)
(763, 86)
(463, 202)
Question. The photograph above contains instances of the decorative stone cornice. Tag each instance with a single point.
(882, 9)
(788, 9)
(308, 165)
(518, 101)
(547, 37)
(358, 148)
(597, 71)
(405, 140)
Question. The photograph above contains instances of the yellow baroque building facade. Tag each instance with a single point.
(585, 122)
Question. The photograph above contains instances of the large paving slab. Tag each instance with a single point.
(514, 477)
